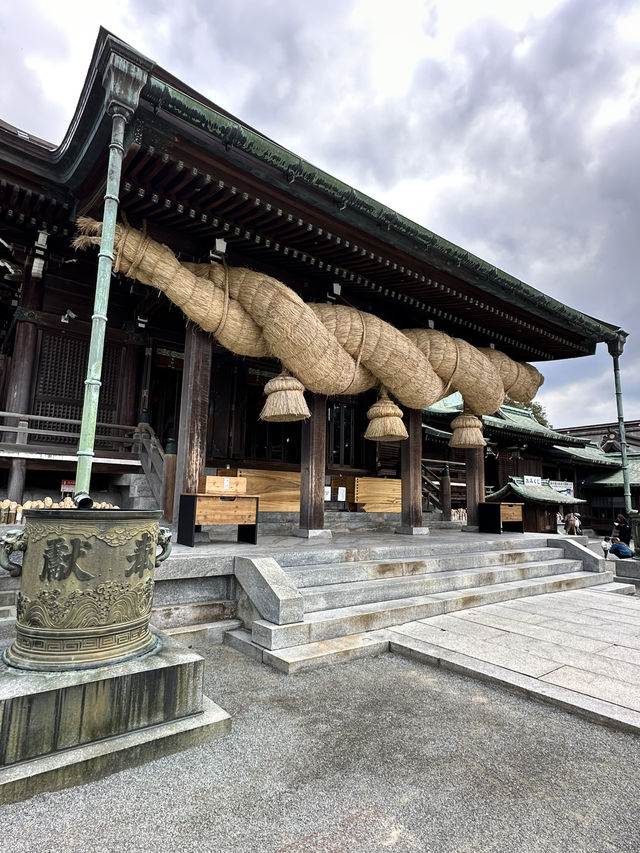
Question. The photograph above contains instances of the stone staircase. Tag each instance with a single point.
(8, 603)
(337, 603)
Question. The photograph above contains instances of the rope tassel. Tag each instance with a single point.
(467, 431)
(385, 420)
(285, 400)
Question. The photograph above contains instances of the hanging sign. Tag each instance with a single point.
(532, 481)
(563, 486)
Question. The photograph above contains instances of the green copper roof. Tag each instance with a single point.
(614, 479)
(592, 454)
(516, 489)
(509, 419)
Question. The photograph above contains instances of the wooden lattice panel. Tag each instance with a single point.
(59, 386)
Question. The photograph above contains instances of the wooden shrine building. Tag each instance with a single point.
(199, 182)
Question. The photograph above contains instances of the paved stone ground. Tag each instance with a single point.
(382, 754)
(577, 648)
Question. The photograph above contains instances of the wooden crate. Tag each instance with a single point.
(510, 512)
(279, 491)
(222, 485)
(219, 509)
(378, 494)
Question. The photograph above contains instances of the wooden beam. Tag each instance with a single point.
(194, 406)
(411, 472)
(312, 467)
(474, 458)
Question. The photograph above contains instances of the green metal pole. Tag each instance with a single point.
(93, 382)
(615, 350)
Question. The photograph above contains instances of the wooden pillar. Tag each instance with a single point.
(194, 404)
(411, 474)
(312, 469)
(20, 379)
(474, 459)
(445, 493)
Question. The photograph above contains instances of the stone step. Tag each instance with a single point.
(8, 597)
(616, 588)
(311, 655)
(170, 616)
(332, 573)
(292, 557)
(329, 624)
(336, 595)
(7, 612)
(209, 632)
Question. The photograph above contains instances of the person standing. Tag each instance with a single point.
(622, 529)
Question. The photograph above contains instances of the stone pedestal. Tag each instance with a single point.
(413, 531)
(66, 728)
(306, 533)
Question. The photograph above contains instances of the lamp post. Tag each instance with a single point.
(123, 82)
(615, 350)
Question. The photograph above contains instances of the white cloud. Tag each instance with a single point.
(509, 128)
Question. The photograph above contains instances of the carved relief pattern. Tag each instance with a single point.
(110, 603)
(113, 536)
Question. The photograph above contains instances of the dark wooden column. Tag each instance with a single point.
(194, 406)
(445, 493)
(19, 382)
(411, 473)
(474, 459)
(312, 468)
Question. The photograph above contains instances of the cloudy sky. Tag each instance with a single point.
(510, 127)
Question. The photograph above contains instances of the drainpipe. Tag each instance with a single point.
(123, 82)
(615, 350)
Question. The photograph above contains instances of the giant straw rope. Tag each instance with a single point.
(331, 349)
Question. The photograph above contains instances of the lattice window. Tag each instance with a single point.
(59, 388)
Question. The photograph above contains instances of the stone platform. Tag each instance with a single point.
(65, 728)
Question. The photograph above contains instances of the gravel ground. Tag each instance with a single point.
(376, 755)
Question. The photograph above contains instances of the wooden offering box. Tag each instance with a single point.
(222, 485)
(500, 518)
(207, 509)
(219, 500)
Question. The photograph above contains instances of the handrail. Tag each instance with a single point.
(25, 429)
(152, 459)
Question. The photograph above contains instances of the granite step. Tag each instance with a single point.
(337, 595)
(347, 572)
(8, 597)
(166, 617)
(356, 619)
(311, 655)
(293, 558)
(209, 632)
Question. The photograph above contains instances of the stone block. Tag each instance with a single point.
(43, 712)
(270, 589)
(94, 761)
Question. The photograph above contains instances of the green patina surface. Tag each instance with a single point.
(614, 480)
(515, 489)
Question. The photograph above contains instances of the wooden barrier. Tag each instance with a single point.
(279, 491)
(371, 494)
